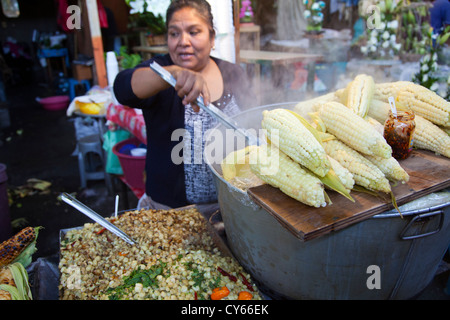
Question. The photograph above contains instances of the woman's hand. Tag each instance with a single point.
(190, 85)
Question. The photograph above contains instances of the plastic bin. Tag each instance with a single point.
(5, 217)
(133, 167)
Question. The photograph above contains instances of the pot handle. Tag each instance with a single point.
(403, 234)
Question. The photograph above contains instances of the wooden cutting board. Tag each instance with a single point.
(428, 173)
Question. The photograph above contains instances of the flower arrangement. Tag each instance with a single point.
(429, 62)
(313, 14)
(382, 37)
(246, 13)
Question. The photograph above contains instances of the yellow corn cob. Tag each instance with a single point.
(421, 100)
(428, 136)
(286, 132)
(343, 174)
(304, 107)
(10, 249)
(275, 168)
(391, 168)
(364, 172)
(379, 110)
(353, 130)
(358, 94)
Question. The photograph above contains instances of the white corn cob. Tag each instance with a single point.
(353, 130)
(358, 94)
(304, 107)
(364, 172)
(390, 167)
(343, 174)
(275, 168)
(421, 100)
(374, 123)
(286, 132)
(428, 136)
(379, 110)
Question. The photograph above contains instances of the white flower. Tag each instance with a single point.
(364, 50)
(373, 40)
(385, 44)
(425, 78)
(424, 68)
(434, 66)
(393, 24)
(426, 58)
(385, 35)
(393, 38)
(137, 6)
(435, 57)
(307, 13)
(315, 6)
(434, 86)
(374, 33)
(382, 26)
(373, 48)
(397, 46)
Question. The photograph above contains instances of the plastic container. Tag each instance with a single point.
(54, 103)
(133, 167)
(5, 217)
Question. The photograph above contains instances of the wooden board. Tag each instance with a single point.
(428, 173)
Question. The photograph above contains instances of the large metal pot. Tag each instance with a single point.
(384, 257)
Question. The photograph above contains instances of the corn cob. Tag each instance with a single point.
(390, 167)
(374, 123)
(277, 169)
(353, 130)
(343, 174)
(6, 277)
(421, 100)
(10, 249)
(428, 136)
(379, 110)
(364, 172)
(304, 107)
(288, 133)
(358, 94)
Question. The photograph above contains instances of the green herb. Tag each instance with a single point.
(146, 277)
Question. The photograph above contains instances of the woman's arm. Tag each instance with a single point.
(189, 84)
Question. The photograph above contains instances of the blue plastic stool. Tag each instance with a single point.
(73, 83)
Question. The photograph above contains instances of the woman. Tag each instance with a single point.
(166, 110)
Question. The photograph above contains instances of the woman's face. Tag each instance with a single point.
(189, 39)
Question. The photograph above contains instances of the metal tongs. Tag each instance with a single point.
(211, 109)
(67, 198)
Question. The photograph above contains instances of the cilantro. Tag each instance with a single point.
(146, 277)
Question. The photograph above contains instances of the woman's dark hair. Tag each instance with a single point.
(202, 6)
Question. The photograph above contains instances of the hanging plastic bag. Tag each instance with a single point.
(111, 138)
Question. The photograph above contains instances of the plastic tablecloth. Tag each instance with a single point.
(129, 119)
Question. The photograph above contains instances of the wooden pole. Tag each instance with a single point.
(237, 31)
(97, 43)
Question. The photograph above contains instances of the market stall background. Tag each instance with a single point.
(39, 144)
